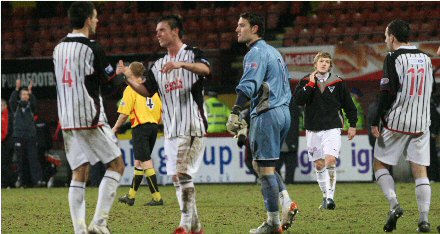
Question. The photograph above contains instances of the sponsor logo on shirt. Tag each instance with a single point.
(416, 60)
(173, 85)
(252, 65)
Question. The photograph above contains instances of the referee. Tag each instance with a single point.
(145, 114)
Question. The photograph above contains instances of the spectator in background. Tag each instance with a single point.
(23, 103)
(289, 150)
(8, 176)
(218, 113)
(433, 169)
(356, 95)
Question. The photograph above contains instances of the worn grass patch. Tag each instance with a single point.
(360, 208)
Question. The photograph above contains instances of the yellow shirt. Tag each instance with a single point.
(140, 109)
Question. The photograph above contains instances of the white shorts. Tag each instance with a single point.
(391, 145)
(183, 154)
(90, 145)
(321, 143)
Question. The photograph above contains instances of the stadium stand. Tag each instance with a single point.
(27, 32)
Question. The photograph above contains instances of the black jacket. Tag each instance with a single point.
(323, 103)
(24, 125)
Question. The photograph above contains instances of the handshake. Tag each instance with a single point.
(237, 127)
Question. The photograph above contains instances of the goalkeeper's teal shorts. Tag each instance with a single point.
(267, 133)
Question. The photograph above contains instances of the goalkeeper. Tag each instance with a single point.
(265, 83)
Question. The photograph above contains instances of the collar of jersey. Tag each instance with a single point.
(180, 50)
(76, 35)
(408, 47)
(255, 42)
(323, 78)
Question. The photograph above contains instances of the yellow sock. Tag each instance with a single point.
(131, 193)
(150, 174)
(137, 180)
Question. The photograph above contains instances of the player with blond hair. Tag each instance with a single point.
(145, 114)
(324, 95)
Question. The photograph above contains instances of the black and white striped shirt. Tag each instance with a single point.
(408, 75)
(80, 67)
(181, 92)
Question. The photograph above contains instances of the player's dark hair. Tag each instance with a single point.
(399, 29)
(255, 19)
(173, 21)
(79, 12)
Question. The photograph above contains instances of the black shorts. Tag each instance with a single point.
(144, 138)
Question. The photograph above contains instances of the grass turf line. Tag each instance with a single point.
(360, 208)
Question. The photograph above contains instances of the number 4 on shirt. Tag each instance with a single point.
(150, 103)
(67, 77)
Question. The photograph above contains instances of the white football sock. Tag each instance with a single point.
(322, 178)
(77, 205)
(273, 218)
(386, 183)
(331, 186)
(188, 193)
(284, 199)
(423, 194)
(178, 194)
(106, 196)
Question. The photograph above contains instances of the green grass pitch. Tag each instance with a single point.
(236, 208)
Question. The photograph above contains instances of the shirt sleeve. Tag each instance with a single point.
(199, 57)
(303, 91)
(127, 103)
(103, 64)
(150, 82)
(389, 86)
(254, 67)
(390, 80)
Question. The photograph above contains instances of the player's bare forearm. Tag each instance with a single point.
(200, 69)
(351, 133)
(121, 120)
(139, 88)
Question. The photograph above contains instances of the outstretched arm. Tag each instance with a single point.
(129, 79)
(121, 120)
(200, 69)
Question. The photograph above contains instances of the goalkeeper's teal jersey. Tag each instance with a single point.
(265, 78)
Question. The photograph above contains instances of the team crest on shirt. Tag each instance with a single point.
(252, 65)
(384, 81)
(331, 88)
(109, 69)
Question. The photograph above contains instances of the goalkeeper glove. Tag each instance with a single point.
(235, 124)
(242, 134)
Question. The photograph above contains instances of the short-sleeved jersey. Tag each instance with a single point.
(140, 109)
(265, 78)
(181, 92)
(80, 66)
(408, 76)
